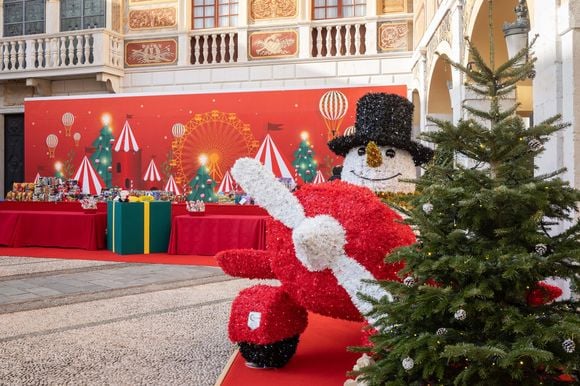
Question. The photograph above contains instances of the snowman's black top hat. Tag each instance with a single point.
(385, 119)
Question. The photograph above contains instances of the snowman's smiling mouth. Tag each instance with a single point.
(376, 179)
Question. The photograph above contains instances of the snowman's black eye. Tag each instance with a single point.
(390, 153)
(361, 151)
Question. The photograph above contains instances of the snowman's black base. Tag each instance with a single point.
(274, 355)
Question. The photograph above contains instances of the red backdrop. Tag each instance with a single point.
(223, 126)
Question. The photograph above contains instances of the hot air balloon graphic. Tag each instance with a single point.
(178, 129)
(51, 143)
(333, 106)
(77, 138)
(351, 130)
(67, 120)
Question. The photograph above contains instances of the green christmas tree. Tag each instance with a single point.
(102, 158)
(470, 309)
(202, 186)
(304, 162)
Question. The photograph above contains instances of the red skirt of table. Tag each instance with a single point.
(63, 229)
(206, 235)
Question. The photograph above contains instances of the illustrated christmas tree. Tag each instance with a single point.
(202, 185)
(472, 308)
(304, 162)
(102, 156)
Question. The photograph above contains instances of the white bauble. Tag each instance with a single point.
(408, 363)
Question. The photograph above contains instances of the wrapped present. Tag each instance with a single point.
(138, 227)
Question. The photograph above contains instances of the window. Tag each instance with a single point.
(81, 14)
(336, 9)
(214, 13)
(23, 17)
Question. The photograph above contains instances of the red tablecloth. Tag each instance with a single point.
(63, 229)
(206, 235)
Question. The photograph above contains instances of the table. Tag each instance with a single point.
(63, 229)
(208, 234)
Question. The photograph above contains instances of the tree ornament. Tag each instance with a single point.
(441, 331)
(427, 207)
(409, 281)
(408, 363)
(541, 249)
(460, 314)
(569, 346)
(535, 144)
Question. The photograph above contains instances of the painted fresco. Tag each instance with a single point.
(273, 44)
(393, 36)
(150, 52)
(272, 9)
(122, 134)
(152, 18)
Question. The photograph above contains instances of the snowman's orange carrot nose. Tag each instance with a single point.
(374, 157)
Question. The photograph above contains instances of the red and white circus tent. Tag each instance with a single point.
(228, 184)
(151, 177)
(319, 179)
(171, 186)
(270, 157)
(89, 181)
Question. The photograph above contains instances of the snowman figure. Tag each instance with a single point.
(327, 243)
(378, 152)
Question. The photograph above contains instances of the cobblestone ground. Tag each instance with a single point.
(74, 322)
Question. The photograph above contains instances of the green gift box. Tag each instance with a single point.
(138, 227)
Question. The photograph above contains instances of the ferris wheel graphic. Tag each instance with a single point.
(219, 137)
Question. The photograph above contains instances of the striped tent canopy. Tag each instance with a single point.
(171, 186)
(89, 181)
(228, 184)
(126, 141)
(319, 178)
(152, 174)
(270, 157)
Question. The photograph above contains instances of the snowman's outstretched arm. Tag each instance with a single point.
(319, 241)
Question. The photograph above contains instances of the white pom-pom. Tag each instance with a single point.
(427, 207)
(408, 363)
(460, 314)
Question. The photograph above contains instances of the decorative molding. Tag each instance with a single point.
(394, 6)
(140, 2)
(272, 9)
(393, 37)
(273, 44)
(442, 33)
(139, 53)
(467, 12)
(152, 18)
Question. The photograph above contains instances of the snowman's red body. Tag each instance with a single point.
(266, 314)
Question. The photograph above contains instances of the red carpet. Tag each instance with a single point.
(321, 358)
(105, 255)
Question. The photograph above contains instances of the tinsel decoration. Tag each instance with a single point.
(376, 236)
(408, 363)
(409, 281)
(387, 120)
(274, 355)
(460, 314)
(569, 346)
(535, 145)
(441, 331)
(543, 293)
(427, 207)
(541, 249)
(374, 157)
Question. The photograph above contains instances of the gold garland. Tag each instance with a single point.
(401, 200)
